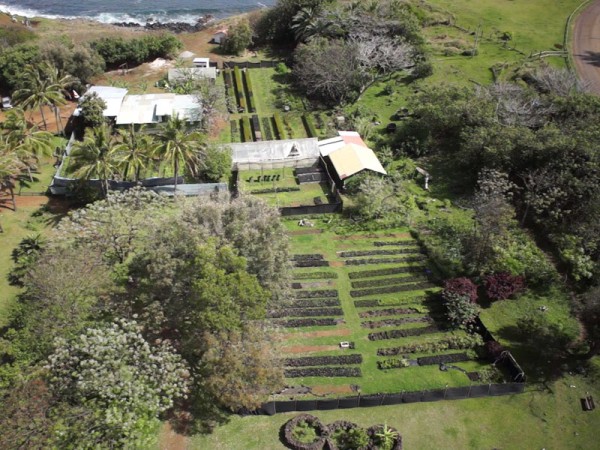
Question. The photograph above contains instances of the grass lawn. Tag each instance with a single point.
(533, 420)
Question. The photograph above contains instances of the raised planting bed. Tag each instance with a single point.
(386, 282)
(275, 191)
(309, 312)
(323, 372)
(246, 129)
(310, 284)
(376, 302)
(467, 342)
(323, 293)
(279, 128)
(442, 359)
(394, 243)
(235, 132)
(394, 322)
(395, 334)
(362, 262)
(314, 275)
(311, 131)
(387, 312)
(399, 251)
(251, 101)
(315, 303)
(393, 363)
(311, 263)
(392, 289)
(297, 323)
(266, 126)
(305, 432)
(239, 89)
(337, 360)
(385, 272)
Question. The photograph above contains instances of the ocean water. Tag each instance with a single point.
(138, 11)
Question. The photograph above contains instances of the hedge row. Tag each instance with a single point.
(328, 293)
(451, 343)
(323, 372)
(386, 243)
(393, 363)
(387, 312)
(394, 322)
(310, 312)
(305, 256)
(279, 126)
(395, 334)
(295, 323)
(392, 289)
(315, 276)
(399, 251)
(360, 262)
(227, 79)
(377, 302)
(312, 263)
(339, 360)
(251, 104)
(315, 303)
(384, 272)
(266, 125)
(274, 190)
(439, 359)
(386, 282)
(310, 126)
(246, 130)
(239, 88)
(234, 130)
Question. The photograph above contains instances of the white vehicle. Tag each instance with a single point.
(6, 103)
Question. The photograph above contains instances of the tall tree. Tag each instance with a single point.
(134, 151)
(179, 146)
(94, 158)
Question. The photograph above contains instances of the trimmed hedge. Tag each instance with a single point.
(360, 262)
(296, 323)
(328, 293)
(311, 131)
(239, 88)
(393, 363)
(395, 334)
(312, 263)
(300, 256)
(392, 289)
(279, 126)
(312, 312)
(246, 130)
(377, 302)
(274, 190)
(387, 312)
(451, 343)
(323, 372)
(315, 303)
(399, 251)
(251, 104)
(383, 272)
(266, 126)
(315, 276)
(323, 360)
(401, 243)
(439, 359)
(394, 322)
(234, 131)
(386, 282)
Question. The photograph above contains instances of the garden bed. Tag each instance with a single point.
(394, 243)
(395, 334)
(340, 360)
(297, 323)
(387, 312)
(384, 272)
(391, 289)
(362, 262)
(314, 275)
(394, 322)
(386, 282)
(327, 293)
(377, 302)
(323, 372)
(308, 312)
(442, 359)
(315, 303)
(451, 343)
(356, 253)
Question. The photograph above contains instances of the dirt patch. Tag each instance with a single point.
(35, 116)
(171, 440)
(309, 348)
(336, 263)
(322, 333)
(301, 232)
(356, 237)
(326, 390)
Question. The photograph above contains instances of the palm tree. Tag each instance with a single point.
(307, 24)
(63, 82)
(135, 150)
(10, 169)
(27, 141)
(177, 146)
(94, 158)
(39, 90)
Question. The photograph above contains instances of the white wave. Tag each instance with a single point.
(27, 12)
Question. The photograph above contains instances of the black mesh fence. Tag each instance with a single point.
(433, 395)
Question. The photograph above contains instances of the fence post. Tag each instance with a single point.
(489, 389)
(469, 393)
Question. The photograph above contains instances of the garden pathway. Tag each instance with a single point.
(586, 46)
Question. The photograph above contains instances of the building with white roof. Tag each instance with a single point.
(192, 73)
(275, 154)
(112, 96)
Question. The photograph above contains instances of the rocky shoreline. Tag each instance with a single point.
(174, 27)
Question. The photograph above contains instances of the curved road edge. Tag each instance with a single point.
(585, 46)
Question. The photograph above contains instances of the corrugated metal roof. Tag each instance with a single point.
(353, 158)
(193, 73)
(149, 108)
(265, 151)
(112, 96)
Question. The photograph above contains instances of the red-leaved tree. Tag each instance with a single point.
(461, 286)
(503, 285)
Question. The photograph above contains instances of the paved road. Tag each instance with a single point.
(586, 46)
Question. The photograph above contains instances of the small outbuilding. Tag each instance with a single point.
(201, 62)
(219, 36)
(275, 154)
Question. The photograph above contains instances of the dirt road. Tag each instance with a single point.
(586, 46)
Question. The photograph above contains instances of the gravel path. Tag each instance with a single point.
(586, 46)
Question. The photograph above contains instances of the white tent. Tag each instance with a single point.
(275, 154)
